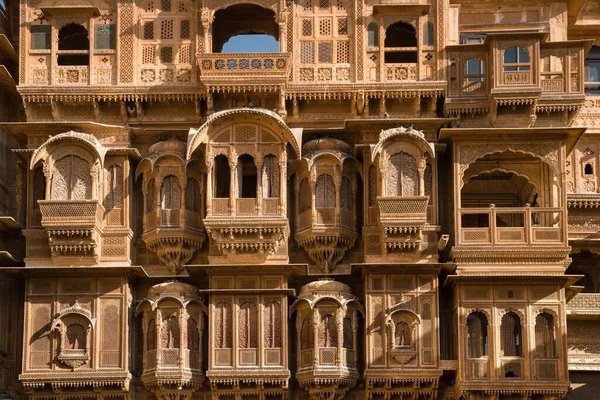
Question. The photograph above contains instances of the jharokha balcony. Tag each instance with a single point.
(73, 226)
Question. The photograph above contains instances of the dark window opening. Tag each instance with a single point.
(104, 37)
(588, 169)
(545, 342)
(247, 176)
(242, 20)
(428, 34)
(222, 176)
(73, 45)
(40, 37)
(401, 40)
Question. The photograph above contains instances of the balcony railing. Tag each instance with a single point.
(245, 64)
(512, 225)
(73, 75)
(477, 369)
(400, 210)
(72, 213)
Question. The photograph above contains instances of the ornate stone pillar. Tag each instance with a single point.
(232, 185)
(313, 191)
(283, 182)
(209, 186)
(259, 194)
(339, 323)
(421, 165)
(183, 339)
(337, 183)
(158, 343)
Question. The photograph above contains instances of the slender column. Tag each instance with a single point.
(209, 187)
(422, 164)
(182, 335)
(283, 183)
(316, 337)
(259, 193)
(313, 191)
(232, 185)
(158, 338)
(339, 319)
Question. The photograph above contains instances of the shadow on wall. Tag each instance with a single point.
(584, 386)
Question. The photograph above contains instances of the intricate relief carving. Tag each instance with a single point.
(223, 323)
(169, 333)
(170, 193)
(272, 324)
(71, 179)
(114, 183)
(248, 327)
(325, 192)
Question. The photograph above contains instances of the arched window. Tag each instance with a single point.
(151, 197)
(270, 176)
(248, 328)
(477, 335)
(307, 334)
(71, 179)
(73, 37)
(325, 192)
(170, 193)
(151, 336)
(403, 335)
(373, 35)
(327, 331)
(246, 170)
(588, 169)
(193, 335)
(545, 338)
(114, 183)
(305, 202)
(76, 337)
(245, 28)
(346, 198)
(511, 339)
(192, 195)
(428, 34)
(223, 325)
(222, 175)
(400, 43)
(402, 177)
(39, 187)
(516, 59)
(169, 334)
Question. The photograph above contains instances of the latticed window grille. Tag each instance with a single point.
(166, 55)
(40, 37)
(104, 37)
(166, 24)
(148, 30)
(324, 30)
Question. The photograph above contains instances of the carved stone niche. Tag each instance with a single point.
(71, 210)
(326, 193)
(173, 326)
(173, 203)
(74, 325)
(403, 327)
(247, 150)
(403, 185)
(326, 326)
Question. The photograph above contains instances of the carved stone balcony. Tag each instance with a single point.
(511, 233)
(402, 220)
(260, 67)
(585, 305)
(73, 226)
(249, 232)
(401, 72)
